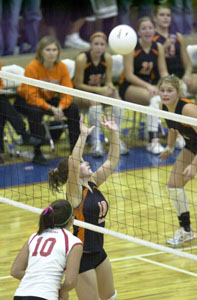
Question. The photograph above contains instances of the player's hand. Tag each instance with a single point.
(107, 91)
(190, 172)
(83, 128)
(109, 122)
(164, 155)
(153, 90)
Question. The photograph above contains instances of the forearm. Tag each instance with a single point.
(89, 88)
(194, 161)
(172, 135)
(18, 274)
(79, 146)
(114, 149)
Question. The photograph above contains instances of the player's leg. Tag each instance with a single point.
(179, 198)
(87, 288)
(105, 280)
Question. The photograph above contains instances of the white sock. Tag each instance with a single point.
(153, 121)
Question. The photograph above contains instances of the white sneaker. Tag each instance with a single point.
(97, 149)
(74, 41)
(155, 147)
(123, 148)
(180, 142)
(181, 236)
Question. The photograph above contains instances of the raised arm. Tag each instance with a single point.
(114, 152)
(73, 188)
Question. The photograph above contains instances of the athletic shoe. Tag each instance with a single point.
(180, 142)
(74, 41)
(97, 149)
(39, 159)
(123, 148)
(155, 147)
(181, 236)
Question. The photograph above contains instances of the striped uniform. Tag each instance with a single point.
(94, 75)
(145, 67)
(189, 134)
(48, 254)
(172, 54)
(92, 209)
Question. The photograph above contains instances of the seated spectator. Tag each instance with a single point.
(36, 102)
(142, 69)
(9, 113)
(93, 73)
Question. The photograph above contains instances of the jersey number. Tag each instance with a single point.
(146, 68)
(103, 209)
(47, 247)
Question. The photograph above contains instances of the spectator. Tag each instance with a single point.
(93, 73)
(182, 16)
(8, 113)
(142, 69)
(10, 12)
(36, 102)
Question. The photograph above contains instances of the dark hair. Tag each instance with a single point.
(58, 176)
(162, 6)
(57, 214)
(44, 42)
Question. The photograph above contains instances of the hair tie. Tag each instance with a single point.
(98, 34)
(47, 209)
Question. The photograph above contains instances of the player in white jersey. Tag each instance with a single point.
(48, 255)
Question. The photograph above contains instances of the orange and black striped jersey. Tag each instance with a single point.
(146, 64)
(172, 54)
(185, 130)
(94, 75)
(92, 209)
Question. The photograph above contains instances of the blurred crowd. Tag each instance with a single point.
(24, 22)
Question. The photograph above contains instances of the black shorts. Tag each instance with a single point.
(28, 298)
(91, 260)
(122, 88)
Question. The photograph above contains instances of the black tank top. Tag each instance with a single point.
(95, 75)
(185, 130)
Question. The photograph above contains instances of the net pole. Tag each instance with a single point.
(107, 231)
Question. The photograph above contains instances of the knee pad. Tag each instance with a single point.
(114, 297)
(179, 199)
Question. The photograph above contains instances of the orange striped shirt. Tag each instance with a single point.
(40, 97)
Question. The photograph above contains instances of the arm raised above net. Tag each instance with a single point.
(114, 152)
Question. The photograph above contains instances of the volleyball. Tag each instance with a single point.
(122, 39)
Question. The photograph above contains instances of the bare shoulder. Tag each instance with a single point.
(81, 58)
(190, 110)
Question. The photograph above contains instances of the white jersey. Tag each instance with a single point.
(48, 253)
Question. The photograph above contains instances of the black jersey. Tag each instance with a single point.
(92, 209)
(95, 74)
(189, 134)
(146, 64)
(172, 54)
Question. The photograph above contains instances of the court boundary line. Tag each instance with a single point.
(141, 257)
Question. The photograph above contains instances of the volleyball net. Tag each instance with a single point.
(139, 207)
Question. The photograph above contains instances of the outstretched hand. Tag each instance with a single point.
(109, 122)
(83, 128)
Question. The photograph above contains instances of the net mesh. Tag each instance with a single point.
(139, 205)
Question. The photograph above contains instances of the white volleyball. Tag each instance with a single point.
(122, 39)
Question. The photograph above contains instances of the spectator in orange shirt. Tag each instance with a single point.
(35, 102)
